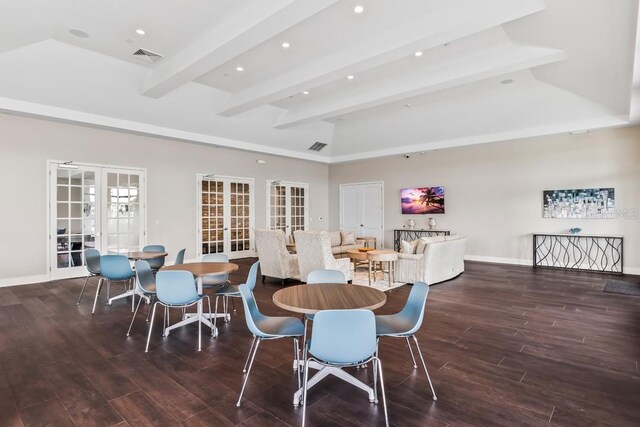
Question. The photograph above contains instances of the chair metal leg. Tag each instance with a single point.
(411, 351)
(246, 377)
(134, 316)
(108, 291)
(215, 315)
(375, 373)
(304, 390)
(199, 305)
(153, 297)
(249, 355)
(153, 315)
(83, 288)
(213, 329)
(296, 353)
(233, 303)
(384, 397)
(95, 301)
(424, 365)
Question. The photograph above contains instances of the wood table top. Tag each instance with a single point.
(382, 255)
(310, 299)
(138, 255)
(203, 268)
(357, 254)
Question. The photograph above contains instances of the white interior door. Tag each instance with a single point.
(92, 207)
(361, 210)
(226, 216)
(287, 206)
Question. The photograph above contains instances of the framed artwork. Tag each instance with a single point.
(586, 203)
(422, 200)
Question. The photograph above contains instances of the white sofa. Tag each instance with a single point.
(314, 253)
(339, 244)
(275, 259)
(441, 259)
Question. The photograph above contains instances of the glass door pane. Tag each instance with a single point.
(240, 218)
(124, 211)
(74, 218)
(212, 216)
(278, 203)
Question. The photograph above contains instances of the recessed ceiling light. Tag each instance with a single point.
(408, 105)
(140, 31)
(506, 81)
(239, 69)
(418, 53)
(306, 92)
(358, 9)
(350, 77)
(286, 45)
(79, 33)
(261, 162)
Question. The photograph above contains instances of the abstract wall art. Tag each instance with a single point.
(587, 203)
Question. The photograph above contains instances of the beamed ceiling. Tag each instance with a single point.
(426, 74)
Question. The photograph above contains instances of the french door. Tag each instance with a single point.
(287, 206)
(361, 210)
(92, 207)
(225, 210)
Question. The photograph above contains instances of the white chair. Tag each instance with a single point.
(314, 253)
(275, 259)
(439, 261)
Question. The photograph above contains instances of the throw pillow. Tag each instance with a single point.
(424, 241)
(406, 247)
(348, 238)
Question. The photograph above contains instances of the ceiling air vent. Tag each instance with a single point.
(318, 146)
(147, 56)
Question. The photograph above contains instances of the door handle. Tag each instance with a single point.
(225, 229)
(361, 225)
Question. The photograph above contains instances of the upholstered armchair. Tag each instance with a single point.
(314, 253)
(275, 259)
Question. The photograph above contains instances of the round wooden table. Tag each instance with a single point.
(357, 257)
(310, 299)
(382, 255)
(199, 270)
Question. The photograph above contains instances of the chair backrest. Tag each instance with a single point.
(115, 267)
(215, 279)
(413, 311)
(326, 276)
(343, 336)
(180, 257)
(155, 263)
(251, 312)
(252, 276)
(314, 251)
(92, 258)
(273, 254)
(175, 287)
(146, 281)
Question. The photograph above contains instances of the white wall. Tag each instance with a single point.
(494, 191)
(27, 143)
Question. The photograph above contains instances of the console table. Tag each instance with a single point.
(587, 252)
(410, 234)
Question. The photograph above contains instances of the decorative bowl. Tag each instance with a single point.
(365, 249)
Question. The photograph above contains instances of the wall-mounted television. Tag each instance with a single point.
(422, 200)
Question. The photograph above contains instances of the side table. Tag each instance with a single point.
(382, 256)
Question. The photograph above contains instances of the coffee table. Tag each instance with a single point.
(199, 270)
(357, 257)
(382, 256)
(309, 299)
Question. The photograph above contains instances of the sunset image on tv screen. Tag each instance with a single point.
(424, 200)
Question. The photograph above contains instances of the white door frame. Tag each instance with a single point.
(52, 165)
(252, 219)
(381, 183)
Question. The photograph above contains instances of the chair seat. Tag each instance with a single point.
(281, 326)
(229, 290)
(182, 303)
(393, 325)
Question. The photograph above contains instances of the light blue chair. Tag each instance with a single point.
(326, 276)
(407, 322)
(155, 263)
(180, 257)
(343, 338)
(146, 284)
(113, 268)
(266, 328)
(92, 259)
(233, 291)
(176, 289)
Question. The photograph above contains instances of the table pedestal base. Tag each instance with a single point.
(329, 370)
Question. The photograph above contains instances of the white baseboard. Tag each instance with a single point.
(25, 280)
(527, 262)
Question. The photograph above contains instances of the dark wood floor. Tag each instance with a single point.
(505, 346)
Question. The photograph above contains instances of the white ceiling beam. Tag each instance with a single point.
(460, 19)
(478, 66)
(253, 25)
